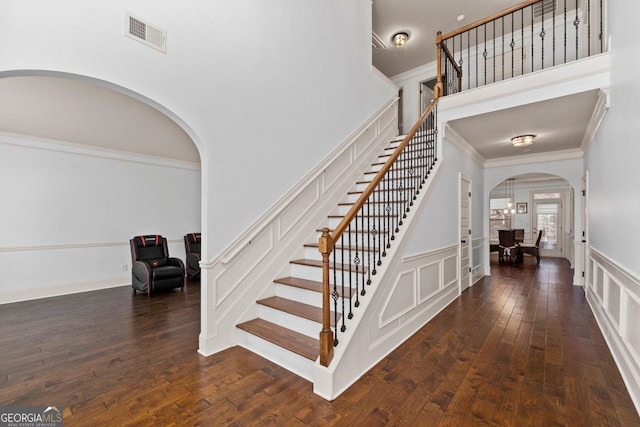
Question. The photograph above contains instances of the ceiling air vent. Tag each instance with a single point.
(146, 33)
(377, 44)
(546, 6)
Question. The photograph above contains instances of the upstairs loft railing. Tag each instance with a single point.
(530, 36)
(356, 248)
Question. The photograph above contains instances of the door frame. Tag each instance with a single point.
(563, 216)
(465, 240)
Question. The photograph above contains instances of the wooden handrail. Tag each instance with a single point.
(447, 52)
(490, 18)
(327, 240)
(337, 232)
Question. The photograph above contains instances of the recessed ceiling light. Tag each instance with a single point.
(460, 18)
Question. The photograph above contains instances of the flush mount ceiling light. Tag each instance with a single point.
(522, 140)
(399, 39)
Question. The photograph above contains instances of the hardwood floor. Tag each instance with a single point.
(518, 348)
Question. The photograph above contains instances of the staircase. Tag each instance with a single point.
(287, 329)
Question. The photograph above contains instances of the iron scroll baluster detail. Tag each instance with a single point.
(368, 231)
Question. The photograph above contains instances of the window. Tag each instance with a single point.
(498, 220)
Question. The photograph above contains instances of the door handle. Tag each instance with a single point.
(463, 241)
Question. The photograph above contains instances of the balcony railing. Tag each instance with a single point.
(531, 36)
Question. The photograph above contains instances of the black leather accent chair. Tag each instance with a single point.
(152, 268)
(192, 249)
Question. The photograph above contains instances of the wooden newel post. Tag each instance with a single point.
(437, 93)
(326, 335)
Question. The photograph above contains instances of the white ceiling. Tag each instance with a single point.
(422, 19)
(559, 124)
(85, 113)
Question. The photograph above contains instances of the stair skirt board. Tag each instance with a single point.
(289, 360)
(304, 287)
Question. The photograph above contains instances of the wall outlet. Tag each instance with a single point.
(125, 267)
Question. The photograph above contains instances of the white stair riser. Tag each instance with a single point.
(344, 209)
(303, 296)
(297, 364)
(312, 253)
(315, 273)
(290, 321)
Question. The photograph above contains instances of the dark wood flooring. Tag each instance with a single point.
(519, 348)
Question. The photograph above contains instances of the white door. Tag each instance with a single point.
(465, 232)
(547, 216)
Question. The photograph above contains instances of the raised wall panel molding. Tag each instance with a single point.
(613, 294)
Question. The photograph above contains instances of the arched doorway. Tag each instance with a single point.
(534, 202)
(88, 165)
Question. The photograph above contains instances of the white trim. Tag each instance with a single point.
(73, 246)
(462, 144)
(602, 106)
(526, 159)
(433, 253)
(66, 289)
(91, 151)
(386, 79)
(616, 335)
(237, 245)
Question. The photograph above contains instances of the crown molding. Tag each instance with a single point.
(91, 151)
(600, 110)
(573, 153)
(462, 144)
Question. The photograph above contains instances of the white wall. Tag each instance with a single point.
(265, 89)
(69, 212)
(613, 268)
(410, 83)
(437, 226)
(612, 160)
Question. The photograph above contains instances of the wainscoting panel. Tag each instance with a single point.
(614, 297)
(299, 207)
(402, 298)
(245, 270)
(478, 251)
(252, 254)
(429, 281)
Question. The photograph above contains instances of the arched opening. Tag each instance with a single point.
(87, 165)
(531, 204)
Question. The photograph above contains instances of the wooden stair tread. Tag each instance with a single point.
(286, 338)
(310, 285)
(296, 308)
(317, 263)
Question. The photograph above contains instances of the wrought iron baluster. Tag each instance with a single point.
(350, 272)
(522, 39)
(502, 43)
(476, 56)
(553, 11)
(542, 34)
(601, 30)
(532, 55)
(344, 326)
(565, 32)
(379, 218)
(485, 53)
(576, 23)
(588, 27)
(494, 51)
(335, 297)
(356, 263)
(512, 44)
(369, 247)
